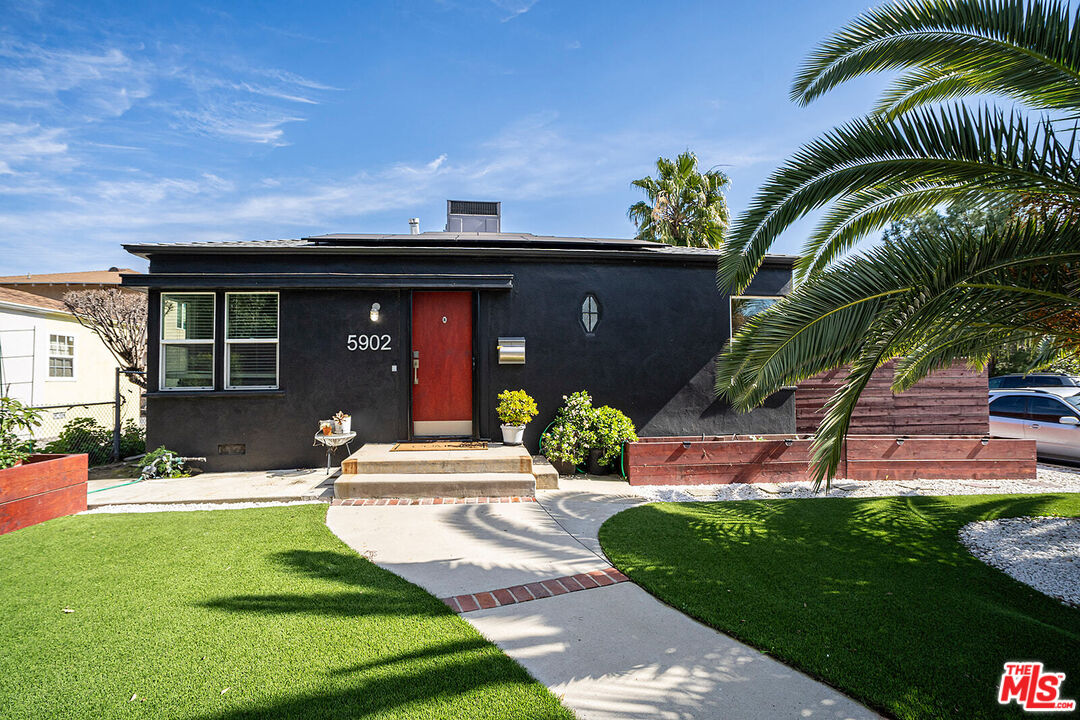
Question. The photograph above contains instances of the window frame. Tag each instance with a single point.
(598, 312)
(253, 341)
(1022, 415)
(731, 308)
(162, 342)
(1064, 410)
(49, 358)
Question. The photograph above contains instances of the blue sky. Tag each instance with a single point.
(135, 121)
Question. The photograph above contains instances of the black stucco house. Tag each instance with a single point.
(252, 343)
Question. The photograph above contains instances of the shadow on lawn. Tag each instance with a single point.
(427, 680)
(373, 591)
(855, 590)
(911, 527)
(432, 690)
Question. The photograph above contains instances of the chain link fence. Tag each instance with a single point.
(91, 428)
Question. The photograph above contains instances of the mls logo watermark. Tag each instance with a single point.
(1033, 689)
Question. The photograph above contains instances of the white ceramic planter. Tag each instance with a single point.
(344, 426)
(512, 434)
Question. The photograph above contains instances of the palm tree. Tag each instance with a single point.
(685, 207)
(929, 299)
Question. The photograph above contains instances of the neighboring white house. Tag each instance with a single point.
(46, 357)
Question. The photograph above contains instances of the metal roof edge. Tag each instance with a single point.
(699, 256)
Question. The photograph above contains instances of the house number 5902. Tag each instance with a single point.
(368, 342)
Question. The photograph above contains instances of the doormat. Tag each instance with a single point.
(441, 445)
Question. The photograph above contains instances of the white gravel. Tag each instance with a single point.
(1050, 479)
(189, 507)
(1043, 552)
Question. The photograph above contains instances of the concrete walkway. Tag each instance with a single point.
(222, 487)
(611, 652)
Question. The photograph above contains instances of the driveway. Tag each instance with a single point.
(610, 652)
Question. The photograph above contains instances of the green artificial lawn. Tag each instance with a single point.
(875, 596)
(234, 614)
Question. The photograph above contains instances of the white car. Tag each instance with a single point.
(1049, 416)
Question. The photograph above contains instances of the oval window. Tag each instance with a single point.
(590, 313)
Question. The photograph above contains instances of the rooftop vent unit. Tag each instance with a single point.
(472, 216)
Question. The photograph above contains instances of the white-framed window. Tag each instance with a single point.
(251, 340)
(744, 307)
(187, 341)
(62, 356)
(590, 313)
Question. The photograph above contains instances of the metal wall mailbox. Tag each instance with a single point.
(511, 350)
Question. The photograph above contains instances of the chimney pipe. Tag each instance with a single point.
(414, 226)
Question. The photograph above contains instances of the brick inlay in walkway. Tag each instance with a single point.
(534, 590)
(380, 502)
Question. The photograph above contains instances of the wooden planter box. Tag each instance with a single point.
(786, 458)
(42, 488)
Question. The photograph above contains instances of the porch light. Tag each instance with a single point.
(374, 314)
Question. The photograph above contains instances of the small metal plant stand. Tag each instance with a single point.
(332, 442)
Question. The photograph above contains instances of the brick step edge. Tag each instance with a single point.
(534, 590)
(380, 502)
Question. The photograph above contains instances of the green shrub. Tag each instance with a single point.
(84, 435)
(579, 428)
(132, 439)
(162, 463)
(611, 428)
(562, 443)
(578, 412)
(14, 416)
(516, 407)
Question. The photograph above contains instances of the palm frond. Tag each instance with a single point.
(1027, 51)
(987, 151)
(901, 300)
(856, 216)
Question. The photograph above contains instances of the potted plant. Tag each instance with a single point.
(561, 445)
(342, 422)
(516, 409)
(610, 429)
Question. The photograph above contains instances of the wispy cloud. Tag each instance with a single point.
(65, 86)
(245, 122)
(97, 83)
(21, 144)
(514, 7)
(534, 159)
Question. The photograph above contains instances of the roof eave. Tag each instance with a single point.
(145, 251)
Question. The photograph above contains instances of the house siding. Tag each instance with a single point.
(651, 355)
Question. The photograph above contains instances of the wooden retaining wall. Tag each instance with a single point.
(948, 402)
(42, 488)
(774, 458)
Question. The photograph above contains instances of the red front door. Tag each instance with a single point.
(442, 345)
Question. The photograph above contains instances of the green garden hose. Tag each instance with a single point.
(88, 492)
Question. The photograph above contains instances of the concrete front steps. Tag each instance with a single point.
(375, 471)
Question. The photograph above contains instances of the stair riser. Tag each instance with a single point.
(437, 488)
(546, 480)
(412, 467)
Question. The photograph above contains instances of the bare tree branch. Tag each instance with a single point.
(119, 319)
